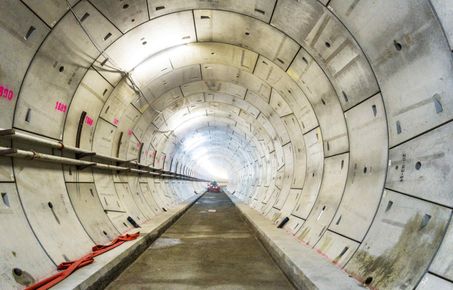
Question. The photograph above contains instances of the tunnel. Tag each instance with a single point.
(327, 124)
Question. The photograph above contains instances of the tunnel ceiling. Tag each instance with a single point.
(333, 113)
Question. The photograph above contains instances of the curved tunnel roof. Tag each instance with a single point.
(335, 114)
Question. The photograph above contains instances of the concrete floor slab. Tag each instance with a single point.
(209, 247)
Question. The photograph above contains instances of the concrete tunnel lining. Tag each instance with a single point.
(334, 114)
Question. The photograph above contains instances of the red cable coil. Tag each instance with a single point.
(67, 268)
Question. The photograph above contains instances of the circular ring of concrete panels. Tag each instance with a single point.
(335, 114)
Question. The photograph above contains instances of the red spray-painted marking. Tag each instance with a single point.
(129, 132)
(62, 107)
(116, 121)
(89, 121)
(139, 145)
(6, 93)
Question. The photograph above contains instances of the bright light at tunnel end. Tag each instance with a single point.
(213, 169)
(205, 157)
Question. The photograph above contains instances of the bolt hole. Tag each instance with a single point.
(84, 17)
(368, 280)
(28, 115)
(5, 199)
(345, 249)
(389, 205)
(105, 233)
(50, 204)
(327, 44)
(61, 69)
(397, 45)
(345, 97)
(373, 107)
(17, 272)
(133, 20)
(107, 36)
(247, 33)
(425, 221)
(418, 165)
(438, 104)
(144, 42)
(125, 6)
(365, 169)
(398, 127)
(29, 32)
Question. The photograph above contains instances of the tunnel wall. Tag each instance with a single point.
(339, 114)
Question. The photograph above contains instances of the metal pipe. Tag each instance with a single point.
(111, 167)
(14, 134)
(32, 155)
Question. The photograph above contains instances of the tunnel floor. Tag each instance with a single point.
(209, 247)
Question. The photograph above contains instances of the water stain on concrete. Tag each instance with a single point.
(401, 266)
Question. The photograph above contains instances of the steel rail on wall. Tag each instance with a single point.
(127, 165)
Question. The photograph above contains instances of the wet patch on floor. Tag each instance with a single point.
(165, 243)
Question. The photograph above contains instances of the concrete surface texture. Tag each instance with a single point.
(336, 115)
(209, 247)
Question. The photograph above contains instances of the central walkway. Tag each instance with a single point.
(209, 247)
